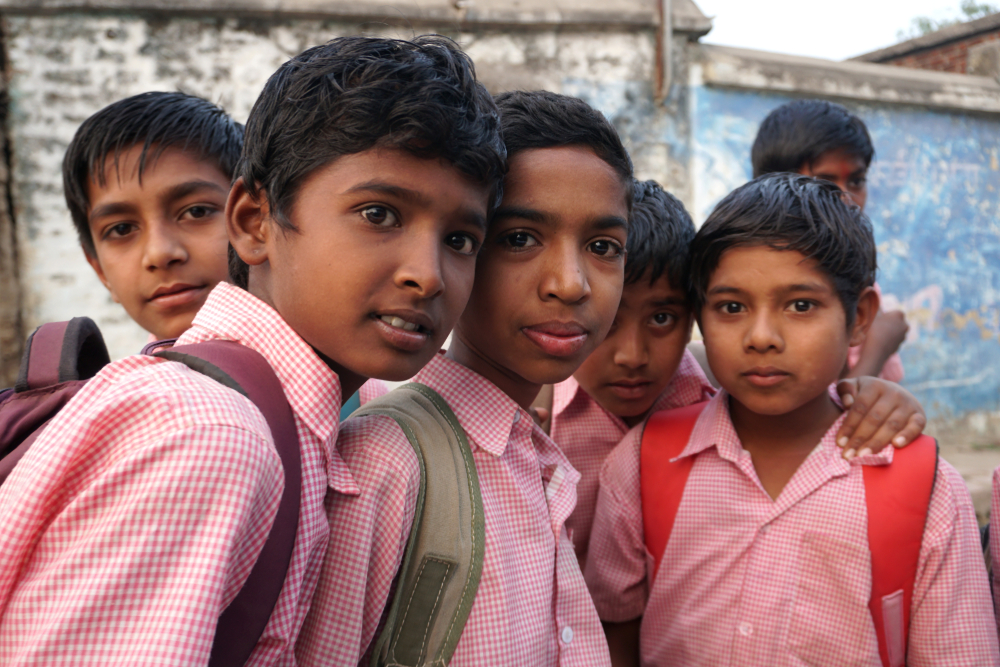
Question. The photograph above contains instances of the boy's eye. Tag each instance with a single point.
(119, 230)
(198, 212)
(462, 243)
(379, 215)
(731, 308)
(664, 319)
(519, 240)
(606, 248)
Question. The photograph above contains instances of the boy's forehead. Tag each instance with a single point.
(762, 267)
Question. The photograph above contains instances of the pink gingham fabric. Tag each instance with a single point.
(532, 606)
(371, 390)
(137, 515)
(587, 433)
(749, 581)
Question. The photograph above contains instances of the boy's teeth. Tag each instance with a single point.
(399, 323)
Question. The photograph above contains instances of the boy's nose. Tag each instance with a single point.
(764, 334)
(420, 268)
(630, 350)
(565, 276)
(162, 248)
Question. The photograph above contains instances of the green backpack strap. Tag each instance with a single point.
(444, 555)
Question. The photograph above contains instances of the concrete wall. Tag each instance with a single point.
(933, 185)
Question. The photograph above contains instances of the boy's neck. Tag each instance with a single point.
(520, 390)
(779, 444)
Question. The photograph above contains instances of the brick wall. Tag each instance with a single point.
(950, 57)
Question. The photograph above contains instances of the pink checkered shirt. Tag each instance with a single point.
(532, 606)
(137, 515)
(749, 581)
(587, 433)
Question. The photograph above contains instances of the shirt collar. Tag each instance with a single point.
(312, 388)
(714, 428)
(487, 414)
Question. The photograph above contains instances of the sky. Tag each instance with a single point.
(836, 31)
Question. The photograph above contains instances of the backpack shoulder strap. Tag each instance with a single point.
(62, 352)
(236, 366)
(897, 498)
(661, 482)
(444, 554)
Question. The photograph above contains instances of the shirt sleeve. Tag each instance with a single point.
(952, 615)
(616, 568)
(128, 557)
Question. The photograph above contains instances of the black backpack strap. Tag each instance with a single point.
(62, 352)
(242, 623)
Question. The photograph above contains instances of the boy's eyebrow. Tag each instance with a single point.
(472, 216)
(182, 190)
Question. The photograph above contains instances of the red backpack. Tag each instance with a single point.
(60, 357)
(897, 497)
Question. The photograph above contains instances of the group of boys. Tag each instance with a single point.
(380, 199)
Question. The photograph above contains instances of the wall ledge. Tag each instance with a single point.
(728, 67)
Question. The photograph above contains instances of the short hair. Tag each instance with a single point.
(798, 132)
(542, 119)
(353, 94)
(158, 121)
(789, 212)
(659, 236)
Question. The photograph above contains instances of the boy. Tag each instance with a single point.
(548, 283)
(368, 172)
(146, 181)
(826, 141)
(643, 366)
(768, 560)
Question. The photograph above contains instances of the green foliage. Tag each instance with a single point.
(970, 11)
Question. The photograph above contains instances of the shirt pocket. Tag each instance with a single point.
(830, 622)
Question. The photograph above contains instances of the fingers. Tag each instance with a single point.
(883, 413)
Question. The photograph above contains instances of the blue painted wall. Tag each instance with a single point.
(934, 200)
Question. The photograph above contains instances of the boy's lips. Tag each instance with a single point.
(178, 294)
(765, 376)
(407, 330)
(558, 339)
(630, 389)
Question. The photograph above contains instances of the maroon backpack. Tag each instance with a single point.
(60, 357)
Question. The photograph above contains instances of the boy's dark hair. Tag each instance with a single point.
(353, 94)
(541, 119)
(797, 133)
(659, 236)
(157, 121)
(789, 212)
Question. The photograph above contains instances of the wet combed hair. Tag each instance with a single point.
(157, 121)
(659, 236)
(541, 119)
(353, 94)
(789, 212)
(797, 133)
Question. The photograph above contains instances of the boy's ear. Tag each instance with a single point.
(95, 264)
(864, 315)
(248, 223)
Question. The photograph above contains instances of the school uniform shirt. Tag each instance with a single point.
(137, 515)
(587, 433)
(747, 580)
(532, 606)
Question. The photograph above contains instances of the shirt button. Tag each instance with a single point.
(567, 634)
(746, 629)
